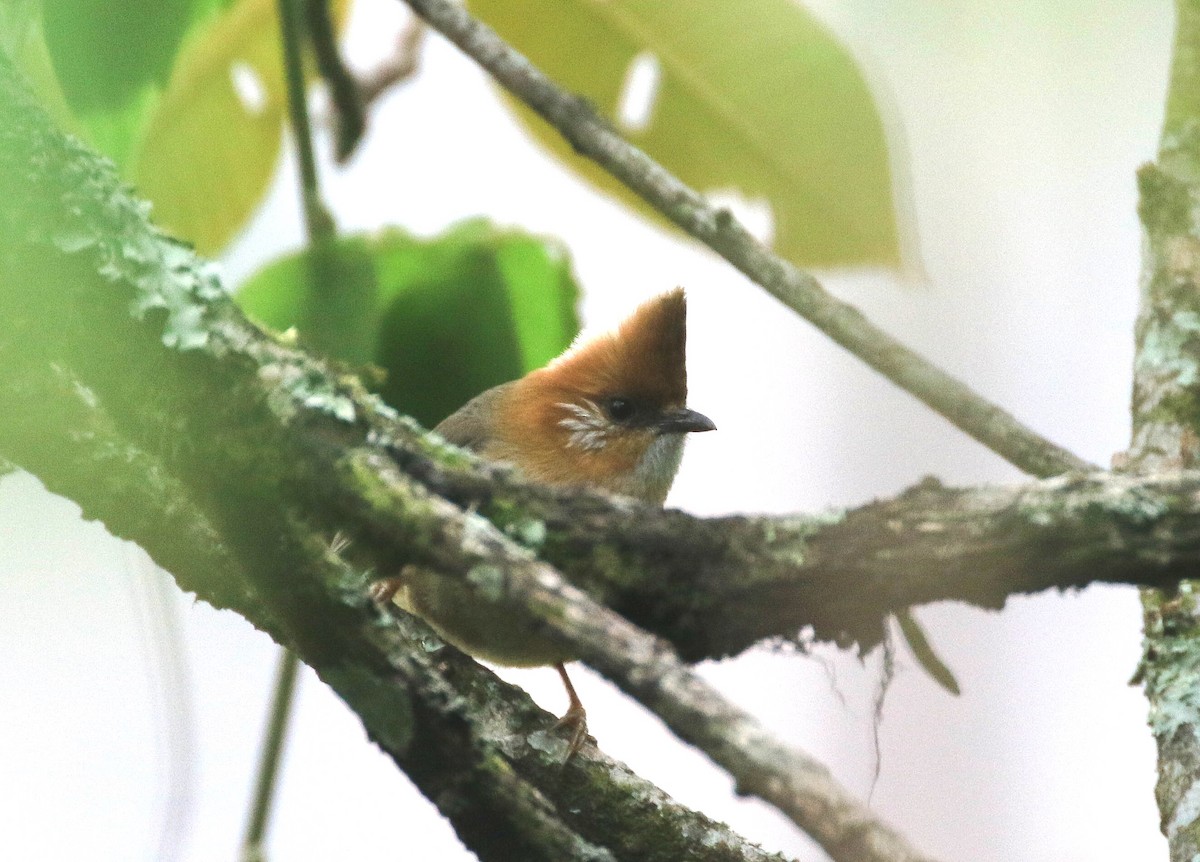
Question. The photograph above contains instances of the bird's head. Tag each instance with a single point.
(610, 412)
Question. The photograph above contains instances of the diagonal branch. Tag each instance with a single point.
(496, 569)
(591, 136)
(262, 428)
(130, 383)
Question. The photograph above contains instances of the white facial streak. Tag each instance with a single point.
(588, 427)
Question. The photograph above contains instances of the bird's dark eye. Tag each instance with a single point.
(620, 409)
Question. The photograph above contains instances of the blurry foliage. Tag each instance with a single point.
(208, 152)
(187, 96)
(754, 97)
(107, 51)
(445, 317)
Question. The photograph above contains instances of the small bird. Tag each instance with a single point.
(608, 414)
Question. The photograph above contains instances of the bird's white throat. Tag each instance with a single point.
(655, 471)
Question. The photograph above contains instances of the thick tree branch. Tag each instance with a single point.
(474, 551)
(715, 586)
(591, 136)
(264, 429)
(114, 339)
(1166, 412)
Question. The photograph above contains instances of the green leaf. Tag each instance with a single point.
(755, 97)
(109, 61)
(329, 294)
(207, 157)
(208, 154)
(446, 317)
(21, 38)
(106, 52)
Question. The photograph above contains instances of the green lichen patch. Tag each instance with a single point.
(1169, 351)
(291, 386)
(1171, 659)
(612, 570)
(516, 523)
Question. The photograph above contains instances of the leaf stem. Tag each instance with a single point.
(253, 849)
(318, 224)
(348, 103)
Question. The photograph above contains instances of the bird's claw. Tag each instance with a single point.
(575, 718)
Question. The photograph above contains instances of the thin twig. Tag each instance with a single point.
(344, 91)
(253, 845)
(317, 220)
(400, 66)
(591, 136)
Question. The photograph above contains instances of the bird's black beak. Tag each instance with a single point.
(681, 421)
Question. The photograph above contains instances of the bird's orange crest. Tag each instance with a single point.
(643, 359)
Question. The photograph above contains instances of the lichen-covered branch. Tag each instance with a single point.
(591, 136)
(129, 383)
(714, 586)
(473, 550)
(153, 341)
(1166, 412)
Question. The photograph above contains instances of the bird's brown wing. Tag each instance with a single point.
(471, 426)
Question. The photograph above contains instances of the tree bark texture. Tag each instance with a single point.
(130, 383)
(1166, 414)
(119, 347)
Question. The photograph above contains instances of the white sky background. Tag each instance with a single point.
(1024, 128)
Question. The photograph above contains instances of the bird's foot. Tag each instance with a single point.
(575, 719)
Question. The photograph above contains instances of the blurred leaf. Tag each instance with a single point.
(755, 97)
(330, 294)
(446, 317)
(22, 40)
(18, 18)
(213, 143)
(106, 52)
(115, 132)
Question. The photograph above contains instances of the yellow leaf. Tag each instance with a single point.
(213, 143)
(746, 99)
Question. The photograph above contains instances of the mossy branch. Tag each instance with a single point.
(133, 385)
(253, 431)
(126, 376)
(1166, 423)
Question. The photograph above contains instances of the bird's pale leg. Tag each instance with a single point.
(575, 717)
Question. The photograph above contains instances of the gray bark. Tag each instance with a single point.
(1166, 412)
